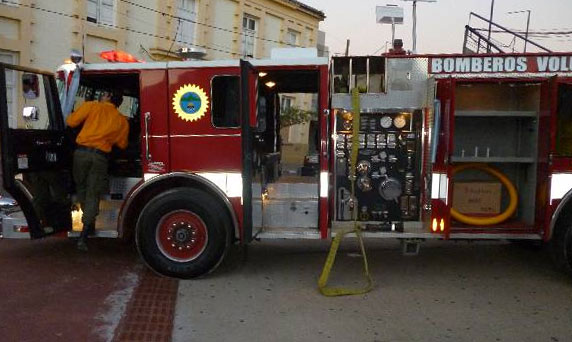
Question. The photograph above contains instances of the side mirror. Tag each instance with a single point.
(31, 113)
(30, 86)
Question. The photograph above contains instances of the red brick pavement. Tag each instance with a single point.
(150, 313)
(49, 291)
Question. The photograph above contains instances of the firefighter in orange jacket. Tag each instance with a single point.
(103, 127)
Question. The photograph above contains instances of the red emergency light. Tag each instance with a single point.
(116, 56)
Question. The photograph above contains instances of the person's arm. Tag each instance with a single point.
(76, 118)
(122, 138)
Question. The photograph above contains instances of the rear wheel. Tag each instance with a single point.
(561, 246)
(182, 233)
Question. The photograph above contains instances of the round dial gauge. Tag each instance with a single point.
(390, 189)
(363, 167)
(347, 125)
(364, 184)
(385, 122)
(400, 121)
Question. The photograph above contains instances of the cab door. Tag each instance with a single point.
(248, 90)
(36, 155)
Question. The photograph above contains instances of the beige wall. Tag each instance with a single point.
(42, 39)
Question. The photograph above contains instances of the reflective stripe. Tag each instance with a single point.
(560, 185)
(435, 178)
(147, 176)
(440, 186)
(324, 184)
(228, 182)
(444, 188)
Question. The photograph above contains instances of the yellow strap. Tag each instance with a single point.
(323, 281)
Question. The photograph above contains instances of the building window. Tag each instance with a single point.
(293, 38)
(249, 28)
(10, 2)
(225, 95)
(286, 103)
(11, 83)
(185, 26)
(101, 11)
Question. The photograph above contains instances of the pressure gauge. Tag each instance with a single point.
(390, 189)
(399, 121)
(364, 184)
(385, 122)
(363, 167)
(347, 125)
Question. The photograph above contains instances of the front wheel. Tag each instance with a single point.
(183, 233)
(561, 247)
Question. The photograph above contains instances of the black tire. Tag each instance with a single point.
(561, 247)
(200, 214)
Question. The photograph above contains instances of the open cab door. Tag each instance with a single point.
(248, 89)
(36, 155)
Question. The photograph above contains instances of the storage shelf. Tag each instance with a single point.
(495, 113)
(459, 159)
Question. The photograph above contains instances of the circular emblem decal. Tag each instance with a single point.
(190, 102)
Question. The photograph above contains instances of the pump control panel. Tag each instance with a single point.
(387, 169)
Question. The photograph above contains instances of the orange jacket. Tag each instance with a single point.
(103, 126)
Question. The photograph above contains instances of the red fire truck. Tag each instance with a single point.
(445, 146)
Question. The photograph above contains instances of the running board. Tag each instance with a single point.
(112, 234)
(289, 233)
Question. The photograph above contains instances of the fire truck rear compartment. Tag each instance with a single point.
(125, 168)
(286, 142)
(497, 124)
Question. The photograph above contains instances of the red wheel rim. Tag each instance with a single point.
(181, 235)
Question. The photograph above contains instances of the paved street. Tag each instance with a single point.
(452, 291)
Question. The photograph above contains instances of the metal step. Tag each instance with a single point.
(98, 233)
(286, 213)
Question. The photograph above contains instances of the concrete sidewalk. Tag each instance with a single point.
(483, 291)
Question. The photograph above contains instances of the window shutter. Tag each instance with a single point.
(92, 11)
(106, 12)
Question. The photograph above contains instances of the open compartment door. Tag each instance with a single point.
(36, 154)
(326, 150)
(554, 149)
(441, 177)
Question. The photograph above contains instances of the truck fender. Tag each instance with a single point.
(147, 189)
(564, 208)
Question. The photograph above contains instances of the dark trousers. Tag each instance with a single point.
(49, 192)
(91, 181)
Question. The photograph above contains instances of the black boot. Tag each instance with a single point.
(82, 244)
(87, 230)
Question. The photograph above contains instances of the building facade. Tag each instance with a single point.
(41, 33)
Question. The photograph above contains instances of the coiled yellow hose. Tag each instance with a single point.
(487, 221)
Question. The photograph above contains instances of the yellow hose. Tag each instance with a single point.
(487, 221)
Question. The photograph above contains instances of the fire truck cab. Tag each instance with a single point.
(448, 147)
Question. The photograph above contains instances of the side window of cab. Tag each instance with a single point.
(225, 94)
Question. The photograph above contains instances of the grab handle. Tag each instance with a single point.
(147, 119)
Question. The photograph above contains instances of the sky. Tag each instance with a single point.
(440, 25)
